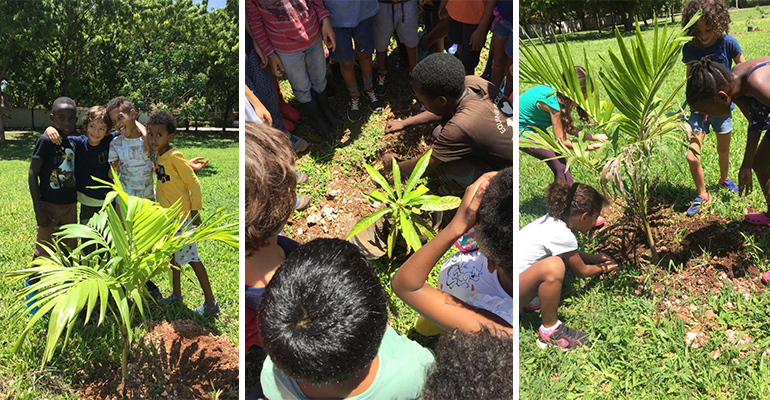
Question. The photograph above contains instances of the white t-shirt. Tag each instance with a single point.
(543, 238)
(466, 276)
(136, 166)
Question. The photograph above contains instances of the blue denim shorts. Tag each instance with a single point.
(363, 34)
(504, 29)
(759, 116)
(701, 123)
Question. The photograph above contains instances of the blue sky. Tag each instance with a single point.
(214, 3)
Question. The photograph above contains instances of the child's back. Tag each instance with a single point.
(323, 322)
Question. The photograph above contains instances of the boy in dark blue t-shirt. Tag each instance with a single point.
(52, 176)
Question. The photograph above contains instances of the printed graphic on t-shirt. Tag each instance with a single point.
(504, 107)
(63, 174)
(287, 10)
(462, 274)
(160, 172)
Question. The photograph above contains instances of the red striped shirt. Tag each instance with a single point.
(286, 26)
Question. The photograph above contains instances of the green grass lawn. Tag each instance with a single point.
(21, 375)
(634, 353)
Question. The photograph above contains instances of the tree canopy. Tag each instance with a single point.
(172, 54)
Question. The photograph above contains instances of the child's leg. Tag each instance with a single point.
(544, 280)
(297, 73)
(723, 149)
(761, 167)
(500, 64)
(435, 36)
(203, 279)
(696, 169)
(406, 25)
(364, 38)
(176, 273)
(383, 30)
(557, 165)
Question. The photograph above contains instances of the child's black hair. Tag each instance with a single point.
(706, 79)
(324, 313)
(165, 118)
(488, 376)
(715, 14)
(564, 200)
(123, 104)
(63, 100)
(494, 227)
(440, 74)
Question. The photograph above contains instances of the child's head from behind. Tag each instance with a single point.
(161, 127)
(96, 123)
(437, 80)
(64, 115)
(708, 87)
(121, 113)
(488, 376)
(566, 104)
(494, 226)
(713, 24)
(324, 313)
(578, 204)
(270, 184)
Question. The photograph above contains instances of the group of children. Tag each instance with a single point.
(64, 166)
(318, 312)
(289, 38)
(714, 88)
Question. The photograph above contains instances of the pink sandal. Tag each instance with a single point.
(766, 278)
(757, 218)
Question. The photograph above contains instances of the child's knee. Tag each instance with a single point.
(554, 268)
(692, 158)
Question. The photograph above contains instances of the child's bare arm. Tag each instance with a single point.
(53, 135)
(41, 216)
(599, 264)
(409, 282)
(419, 119)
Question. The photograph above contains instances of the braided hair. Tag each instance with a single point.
(706, 79)
(564, 200)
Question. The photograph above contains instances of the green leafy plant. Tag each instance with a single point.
(635, 116)
(109, 281)
(404, 206)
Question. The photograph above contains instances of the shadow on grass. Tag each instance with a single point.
(18, 146)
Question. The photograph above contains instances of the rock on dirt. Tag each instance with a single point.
(695, 339)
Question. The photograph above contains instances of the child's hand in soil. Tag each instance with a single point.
(607, 266)
(468, 212)
(53, 135)
(394, 126)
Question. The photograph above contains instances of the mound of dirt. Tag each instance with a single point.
(699, 256)
(175, 360)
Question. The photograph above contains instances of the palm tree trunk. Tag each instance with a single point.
(650, 240)
(124, 361)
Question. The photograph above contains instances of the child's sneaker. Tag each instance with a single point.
(533, 305)
(379, 84)
(766, 278)
(374, 103)
(297, 143)
(171, 300)
(729, 185)
(563, 337)
(205, 310)
(696, 205)
(354, 108)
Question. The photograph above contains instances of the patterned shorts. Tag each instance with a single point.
(759, 116)
(188, 253)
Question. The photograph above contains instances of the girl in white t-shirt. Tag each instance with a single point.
(548, 246)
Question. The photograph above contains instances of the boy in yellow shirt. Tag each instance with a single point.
(175, 181)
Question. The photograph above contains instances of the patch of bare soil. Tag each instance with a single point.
(175, 360)
(344, 205)
(713, 255)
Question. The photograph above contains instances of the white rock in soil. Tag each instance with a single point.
(729, 305)
(327, 211)
(299, 231)
(313, 219)
(334, 192)
(376, 204)
(326, 230)
(164, 394)
(695, 339)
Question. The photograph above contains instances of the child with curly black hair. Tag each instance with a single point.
(548, 246)
(475, 290)
(710, 38)
(712, 88)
